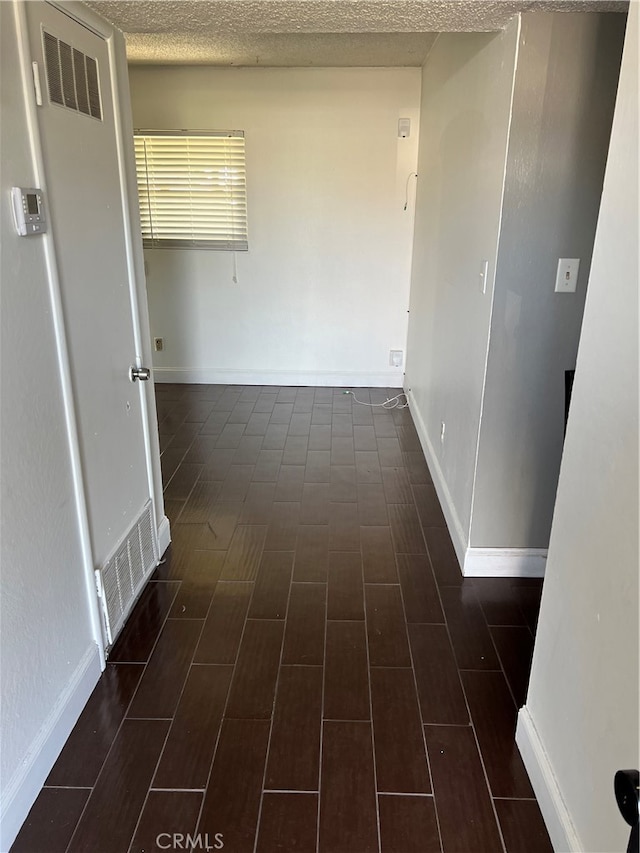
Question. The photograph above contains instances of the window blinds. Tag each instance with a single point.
(192, 189)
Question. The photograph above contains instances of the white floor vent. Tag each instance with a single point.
(124, 573)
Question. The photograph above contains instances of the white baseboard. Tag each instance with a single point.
(475, 562)
(456, 531)
(504, 562)
(301, 378)
(562, 832)
(25, 784)
(164, 535)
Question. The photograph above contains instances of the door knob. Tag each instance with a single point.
(141, 373)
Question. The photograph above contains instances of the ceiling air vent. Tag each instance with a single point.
(72, 77)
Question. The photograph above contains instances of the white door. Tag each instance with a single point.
(87, 220)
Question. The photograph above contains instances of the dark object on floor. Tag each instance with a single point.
(626, 784)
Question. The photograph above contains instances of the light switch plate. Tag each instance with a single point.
(567, 275)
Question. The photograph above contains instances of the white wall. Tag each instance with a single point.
(49, 658)
(563, 102)
(466, 99)
(580, 723)
(323, 292)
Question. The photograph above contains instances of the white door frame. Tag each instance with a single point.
(137, 290)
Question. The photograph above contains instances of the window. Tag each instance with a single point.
(192, 189)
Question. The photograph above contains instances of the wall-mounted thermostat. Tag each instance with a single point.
(28, 211)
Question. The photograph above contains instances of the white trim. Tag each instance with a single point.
(555, 813)
(444, 496)
(25, 784)
(137, 271)
(495, 273)
(123, 127)
(164, 536)
(505, 562)
(83, 15)
(320, 378)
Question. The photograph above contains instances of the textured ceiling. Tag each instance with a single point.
(309, 32)
(282, 49)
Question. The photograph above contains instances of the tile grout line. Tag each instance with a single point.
(417, 698)
(232, 396)
(165, 487)
(146, 798)
(288, 790)
(370, 691)
(187, 449)
(122, 721)
(68, 787)
(464, 694)
(446, 625)
(170, 727)
(322, 703)
(224, 710)
(177, 790)
(273, 709)
(503, 669)
(409, 794)
(466, 701)
(191, 490)
(518, 799)
(495, 646)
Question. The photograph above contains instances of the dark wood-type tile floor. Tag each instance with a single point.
(307, 670)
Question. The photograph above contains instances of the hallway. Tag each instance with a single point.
(307, 670)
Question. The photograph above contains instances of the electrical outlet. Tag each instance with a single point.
(395, 357)
(158, 344)
(443, 427)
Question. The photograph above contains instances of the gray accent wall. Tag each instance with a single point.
(513, 144)
(566, 80)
